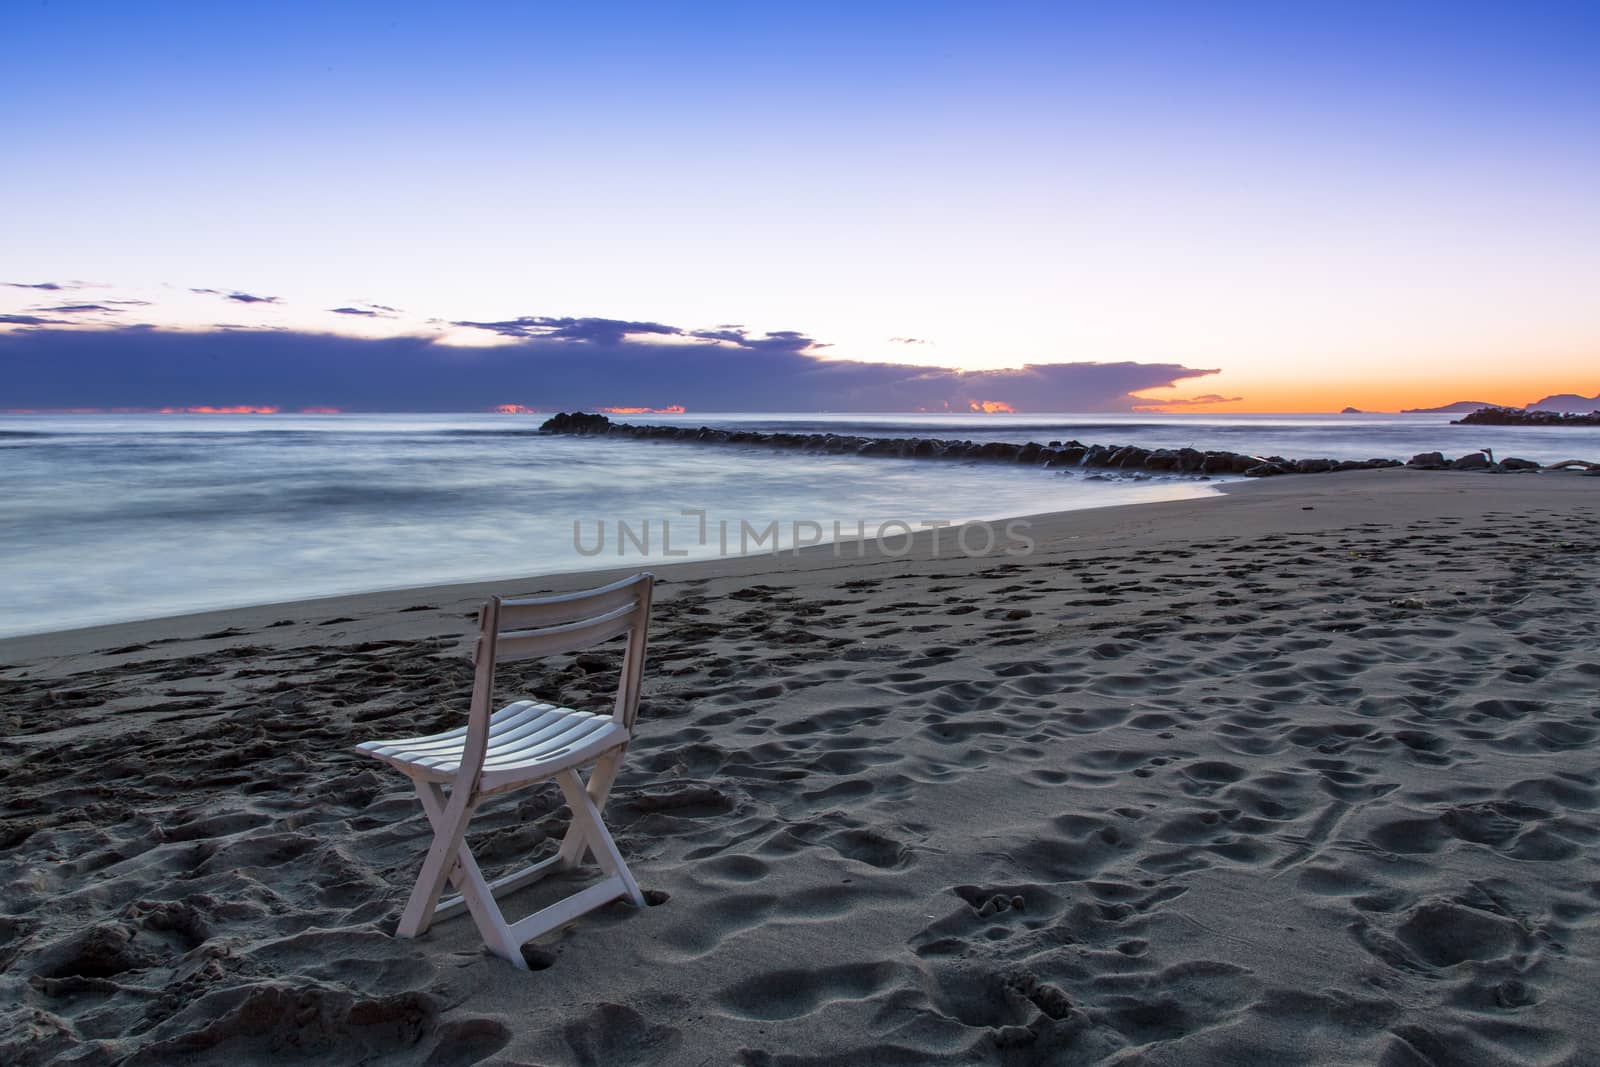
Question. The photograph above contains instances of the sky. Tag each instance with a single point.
(1269, 207)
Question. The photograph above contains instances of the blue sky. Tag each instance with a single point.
(1327, 201)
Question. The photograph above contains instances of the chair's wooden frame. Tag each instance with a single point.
(523, 629)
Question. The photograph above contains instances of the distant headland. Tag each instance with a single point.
(1570, 403)
(1460, 407)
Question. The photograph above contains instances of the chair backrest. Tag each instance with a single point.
(530, 627)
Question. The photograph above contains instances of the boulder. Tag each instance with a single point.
(1428, 461)
(1512, 463)
(997, 450)
(1472, 461)
(1098, 456)
(1162, 459)
(1129, 457)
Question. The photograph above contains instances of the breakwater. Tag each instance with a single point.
(1054, 454)
(1493, 416)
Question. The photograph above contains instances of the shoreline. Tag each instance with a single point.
(1183, 518)
(806, 557)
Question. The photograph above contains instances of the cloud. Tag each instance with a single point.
(79, 308)
(909, 341)
(52, 286)
(30, 320)
(1144, 403)
(564, 363)
(238, 297)
(606, 331)
(618, 331)
(781, 341)
(370, 311)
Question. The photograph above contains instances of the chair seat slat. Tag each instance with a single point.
(523, 715)
(553, 738)
(537, 740)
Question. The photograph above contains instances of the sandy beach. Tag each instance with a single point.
(1299, 775)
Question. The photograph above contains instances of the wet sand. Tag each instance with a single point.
(1305, 774)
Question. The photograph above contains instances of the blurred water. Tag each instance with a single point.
(110, 518)
(107, 518)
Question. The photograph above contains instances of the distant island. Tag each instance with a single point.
(1460, 407)
(1497, 416)
(1352, 411)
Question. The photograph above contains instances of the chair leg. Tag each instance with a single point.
(573, 845)
(450, 860)
(468, 879)
(436, 869)
(586, 818)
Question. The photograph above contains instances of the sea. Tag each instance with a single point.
(112, 518)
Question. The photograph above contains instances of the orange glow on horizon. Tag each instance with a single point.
(514, 409)
(1314, 397)
(1326, 384)
(670, 409)
(321, 411)
(231, 409)
(992, 407)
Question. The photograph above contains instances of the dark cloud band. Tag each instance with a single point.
(556, 363)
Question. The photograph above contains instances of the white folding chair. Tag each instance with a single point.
(523, 744)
